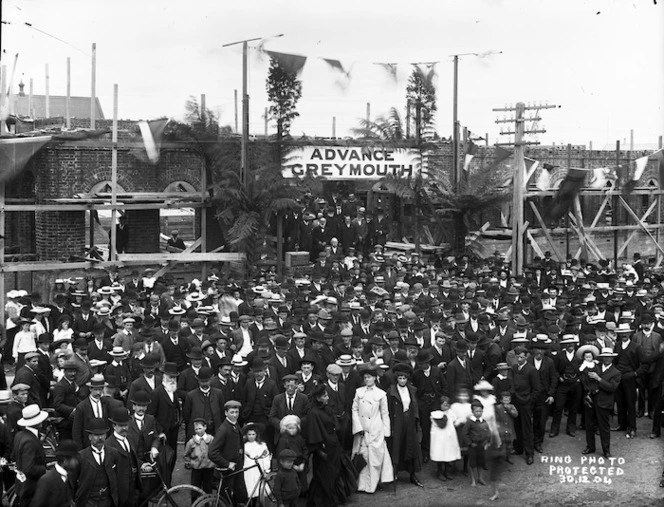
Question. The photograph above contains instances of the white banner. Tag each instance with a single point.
(351, 162)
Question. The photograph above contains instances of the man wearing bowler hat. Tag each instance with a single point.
(147, 382)
(527, 388)
(430, 385)
(80, 357)
(95, 406)
(188, 379)
(260, 392)
(29, 453)
(142, 430)
(568, 391)
(166, 406)
(599, 411)
(66, 395)
(96, 481)
(226, 451)
(204, 402)
(128, 464)
(282, 364)
(459, 371)
(549, 379)
(175, 347)
(627, 362)
(290, 402)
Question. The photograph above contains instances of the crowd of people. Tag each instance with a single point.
(336, 377)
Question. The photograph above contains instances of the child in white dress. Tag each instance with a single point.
(445, 448)
(461, 410)
(254, 450)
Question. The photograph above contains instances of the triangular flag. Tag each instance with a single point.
(641, 164)
(390, 68)
(293, 64)
(568, 190)
(152, 132)
(15, 153)
(531, 167)
(336, 65)
(471, 151)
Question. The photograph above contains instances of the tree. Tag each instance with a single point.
(421, 94)
(283, 90)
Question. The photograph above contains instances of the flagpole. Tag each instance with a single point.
(244, 158)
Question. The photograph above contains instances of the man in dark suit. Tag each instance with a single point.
(127, 469)
(291, 402)
(44, 342)
(100, 346)
(430, 385)
(568, 392)
(147, 382)
(549, 379)
(598, 413)
(527, 388)
(96, 480)
(53, 488)
(95, 406)
(30, 375)
(142, 431)
(475, 356)
(459, 371)
(28, 453)
(188, 381)
(204, 402)
(66, 397)
(627, 362)
(226, 451)
(166, 405)
(280, 363)
(175, 347)
(259, 395)
(84, 321)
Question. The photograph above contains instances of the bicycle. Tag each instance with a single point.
(222, 498)
(175, 496)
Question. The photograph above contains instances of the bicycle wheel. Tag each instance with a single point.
(210, 500)
(182, 495)
(10, 496)
(265, 495)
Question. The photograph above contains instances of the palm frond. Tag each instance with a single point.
(245, 225)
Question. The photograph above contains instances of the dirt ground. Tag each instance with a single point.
(636, 484)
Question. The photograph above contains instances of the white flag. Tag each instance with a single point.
(641, 164)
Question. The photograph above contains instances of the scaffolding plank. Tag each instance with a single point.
(157, 258)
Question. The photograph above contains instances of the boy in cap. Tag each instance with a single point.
(226, 450)
(286, 487)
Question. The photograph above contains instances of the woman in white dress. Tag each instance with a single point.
(371, 426)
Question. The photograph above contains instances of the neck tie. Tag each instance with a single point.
(139, 423)
(123, 443)
(99, 457)
(290, 403)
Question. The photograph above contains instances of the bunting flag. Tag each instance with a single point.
(336, 65)
(16, 152)
(632, 174)
(293, 64)
(152, 132)
(600, 177)
(531, 167)
(568, 190)
(471, 151)
(499, 155)
(390, 68)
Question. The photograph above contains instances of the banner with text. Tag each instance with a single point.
(351, 163)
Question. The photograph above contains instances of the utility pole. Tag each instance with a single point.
(244, 154)
(519, 132)
(236, 127)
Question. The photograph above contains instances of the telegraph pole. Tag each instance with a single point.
(244, 155)
(519, 132)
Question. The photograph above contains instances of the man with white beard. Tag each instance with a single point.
(166, 407)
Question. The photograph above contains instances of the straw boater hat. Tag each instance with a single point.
(568, 338)
(483, 385)
(118, 352)
(624, 327)
(97, 380)
(587, 348)
(607, 352)
(32, 416)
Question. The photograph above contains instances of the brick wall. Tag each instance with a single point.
(60, 234)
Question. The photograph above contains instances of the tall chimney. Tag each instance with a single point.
(21, 85)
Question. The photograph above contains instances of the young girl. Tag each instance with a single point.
(460, 412)
(445, 448)
(587, 353)
(254, 450)
(63, 332)
(196, 457)
(24, 342)
(291, 438)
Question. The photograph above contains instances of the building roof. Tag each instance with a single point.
(79, 107)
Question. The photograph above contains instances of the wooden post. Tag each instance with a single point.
(334, 127)
(3, 98)
(2, 255)
(590, 145)
(368, 111)
(280, 244)
(235, 102)
(47, 105)
(408, 119)
(30, 91)
(68, 98)
(455, 127)
(91, 227)
(517, 201)
(203, 217)
(614, 214)
(486, 139)
(203, 109)
(93, 88)
(266, 121)
(114, 176)
(658, 256)
(631, 139)
(245, 117)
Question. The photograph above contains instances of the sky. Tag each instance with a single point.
(601, 61)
